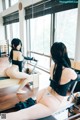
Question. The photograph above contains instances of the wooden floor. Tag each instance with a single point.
(9, 97)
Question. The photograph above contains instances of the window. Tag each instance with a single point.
(8, 36)
(12, 31)
(8, 33)
(7, 4)
(41, 19)
(43, 61)
(15, 29)
(13, 2)
(65, 29)
(40, 39)
(40, 34)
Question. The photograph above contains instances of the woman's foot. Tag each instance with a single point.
(21, 92)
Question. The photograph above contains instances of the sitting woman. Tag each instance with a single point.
(16, 56)
(50, 99)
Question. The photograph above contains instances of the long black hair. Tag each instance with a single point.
(60, 57)
(14, 43)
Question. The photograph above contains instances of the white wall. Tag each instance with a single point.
(28, 2)
(77, 48)
(10, 10)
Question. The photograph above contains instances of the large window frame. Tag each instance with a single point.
(9, 35)
(65, 29)
(39, 54)
(45, 8)
(59, 8)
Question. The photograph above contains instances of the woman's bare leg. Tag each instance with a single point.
(32, 113)
(22, 84)
(14, 73)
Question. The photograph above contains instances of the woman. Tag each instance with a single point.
(16, 55)
(52, 98)
(15, 71)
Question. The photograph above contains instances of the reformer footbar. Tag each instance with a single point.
(72, 92)
(71, 105)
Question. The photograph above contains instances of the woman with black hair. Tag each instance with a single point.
(15, 71)
(50, 99)
(16, 56)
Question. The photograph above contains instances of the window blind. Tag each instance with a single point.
(49, 6)
(11, 18)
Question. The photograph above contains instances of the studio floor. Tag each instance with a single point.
(9, 97)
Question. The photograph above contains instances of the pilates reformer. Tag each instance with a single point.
(35, 75)
(65, 110)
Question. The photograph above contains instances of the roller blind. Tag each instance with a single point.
(11, 18)
(49, 6)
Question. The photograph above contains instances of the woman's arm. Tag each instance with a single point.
(28, 58)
